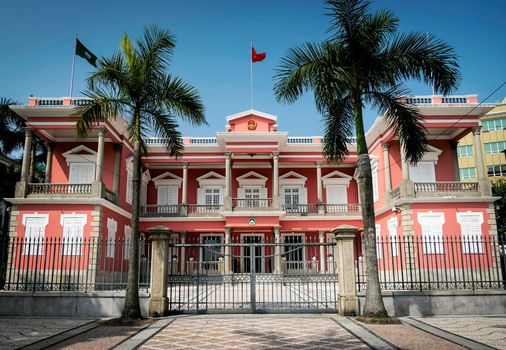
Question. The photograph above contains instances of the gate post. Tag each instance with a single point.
(348, 301)
(158, 304)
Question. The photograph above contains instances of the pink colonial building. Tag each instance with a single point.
(249, 183)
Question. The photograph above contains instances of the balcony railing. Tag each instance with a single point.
(205, 209)
(51, 189)
(156, 210)
(252, 203)
(446, 187)
(342, 209)
(300, 208)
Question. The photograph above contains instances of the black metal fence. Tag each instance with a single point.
(74, 264)
(435, 263)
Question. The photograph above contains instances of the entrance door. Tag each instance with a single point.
(246, 253)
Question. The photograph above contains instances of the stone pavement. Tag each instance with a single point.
(254, 332)
(16, 332)
(487, 330)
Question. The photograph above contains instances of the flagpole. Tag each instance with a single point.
(73, 66)
(251, 75)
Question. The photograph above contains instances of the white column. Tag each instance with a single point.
(323, 260)
(404, 164)
(386, 160)
(49, 162)
(480, 164)
(228, 250)
(319, 187)
(228, 181)
(275, 181)
(184, 194)
(100, 155)
(27, 151)
(277, 250)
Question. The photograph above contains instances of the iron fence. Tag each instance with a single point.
(70, 264)
(252, 273)
(435, 262)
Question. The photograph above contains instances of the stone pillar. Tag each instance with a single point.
(49, 162)
(345, 264)
(182, 260)
(117, 169)
(483, 183)
(407, 187)
(453, 145)
(184, 194)
(100, 155)
(386, 161)
(158, 304)
(228, 182)
(319, 188)
(277, 249)
(228, 250)
(323, 259)
(27, 151)
(275, 181)
(404, 164)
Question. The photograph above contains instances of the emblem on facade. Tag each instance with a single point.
(252, 124)
(252, 221)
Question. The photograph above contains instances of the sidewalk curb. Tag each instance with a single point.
(438, 332)
(363, 334)
(141, 337)
(61, 337)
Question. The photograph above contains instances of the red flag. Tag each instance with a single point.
(257, 57)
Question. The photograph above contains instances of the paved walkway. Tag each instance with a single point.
(16, 332)
(254, 332)
(487, 330)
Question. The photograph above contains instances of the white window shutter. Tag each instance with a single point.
(375, 191)
(302, 195)
(282, 195)
(378, 241)
(163, 195)
(222, 194)
(201, 196)
(81, 173)
(263, 193)
(241, 193)
(129, 187)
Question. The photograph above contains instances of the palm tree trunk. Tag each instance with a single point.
(131, 308)
(374, 306)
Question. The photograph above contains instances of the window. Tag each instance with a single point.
(465, 151)
(82, 173)
(73, 229)
(470, 224)
(496, 170)
(432, 232)
(129, 187)
(128, 237)
(392, 231)
(293, 253)
(294, 198)
(252, 196)
(467, 173)
(422, 172)
(495, 124)
(210, 197)
(495, 147)
(168, 198)
(378, 241)
(35, 226)
(112, 226)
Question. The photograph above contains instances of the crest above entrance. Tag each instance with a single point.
(251, 121)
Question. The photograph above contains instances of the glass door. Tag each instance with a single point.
(246, 253)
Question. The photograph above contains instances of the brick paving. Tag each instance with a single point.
(16, 332)
(489, 330)
(254, 332)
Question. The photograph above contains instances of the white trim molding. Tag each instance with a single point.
(211, 178)
(292, 178)
(251, 179)
(336, 178)
(167, 178)
(73, 157)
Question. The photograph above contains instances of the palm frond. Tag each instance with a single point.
(166, 127)
(156, 48)
(338, 123)
(404, 119)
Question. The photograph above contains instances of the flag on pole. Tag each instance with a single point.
(83, 52)
(257, 57)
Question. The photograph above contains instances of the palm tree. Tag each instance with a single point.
(135, 83)
(365, 61)
(12, 138)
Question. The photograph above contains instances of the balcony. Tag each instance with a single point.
(239, 204)
(172, 210)
(326, 209)
(66, 190)
(450, 189)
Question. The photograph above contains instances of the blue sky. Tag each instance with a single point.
(36, 45)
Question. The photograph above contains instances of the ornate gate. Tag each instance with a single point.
(252, 275)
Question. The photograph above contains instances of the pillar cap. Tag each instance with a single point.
(160, 230)
(345, 231)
